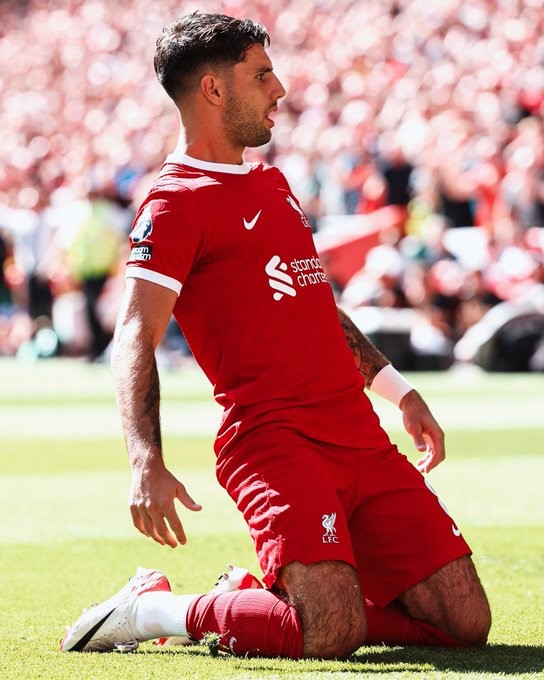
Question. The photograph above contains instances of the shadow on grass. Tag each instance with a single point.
(491, 659)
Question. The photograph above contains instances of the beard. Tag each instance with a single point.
(243, 125)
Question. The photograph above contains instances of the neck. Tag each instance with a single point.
(208, 147)
(212, 154)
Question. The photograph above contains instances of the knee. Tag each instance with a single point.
(470, 624)
(336, 633)
(475, 630)
(342, 641)
(453, 600)
(328, 599)
(473, 621)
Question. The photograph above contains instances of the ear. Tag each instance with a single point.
(213, 88)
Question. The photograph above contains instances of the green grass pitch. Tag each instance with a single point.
(66, 539)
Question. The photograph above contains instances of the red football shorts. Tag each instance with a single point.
(307, 501)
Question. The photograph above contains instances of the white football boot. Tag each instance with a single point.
(109, 626)
(235, 578)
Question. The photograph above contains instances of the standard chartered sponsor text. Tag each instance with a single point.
(309, 271)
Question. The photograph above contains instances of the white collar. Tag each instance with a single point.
(178, 156)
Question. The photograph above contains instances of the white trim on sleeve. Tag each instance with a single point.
(149, 275)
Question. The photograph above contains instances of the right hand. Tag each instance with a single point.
(152, 497)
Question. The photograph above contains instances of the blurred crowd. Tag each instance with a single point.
(421, 117)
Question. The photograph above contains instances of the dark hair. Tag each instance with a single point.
(198, 41)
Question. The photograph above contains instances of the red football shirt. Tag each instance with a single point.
(254, 303)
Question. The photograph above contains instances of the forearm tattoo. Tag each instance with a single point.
(368, 359)
(152, 404)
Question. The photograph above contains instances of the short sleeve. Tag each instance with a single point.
(166, 238)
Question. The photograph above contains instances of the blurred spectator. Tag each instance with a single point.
(30, 232)
(5, 294)
(92, 257)
(83, 258)
(396, 170)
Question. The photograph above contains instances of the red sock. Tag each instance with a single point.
(392, 626)
(250, 622)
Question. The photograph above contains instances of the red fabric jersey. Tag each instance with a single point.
(254, 302)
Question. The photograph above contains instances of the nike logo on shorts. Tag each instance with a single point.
(250, 225)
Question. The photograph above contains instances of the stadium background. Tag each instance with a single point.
(457, 86)
(412, 133)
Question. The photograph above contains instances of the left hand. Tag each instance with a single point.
(427, 434)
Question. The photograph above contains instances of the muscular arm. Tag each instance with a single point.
(368, 359)
(142, 320)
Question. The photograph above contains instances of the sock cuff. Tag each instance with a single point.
(160, 614)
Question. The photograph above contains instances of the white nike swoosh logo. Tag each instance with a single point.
(250, 225)
(456, 531)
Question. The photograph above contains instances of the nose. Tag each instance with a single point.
(279, 90)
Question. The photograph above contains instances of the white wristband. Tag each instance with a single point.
(390, 385)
